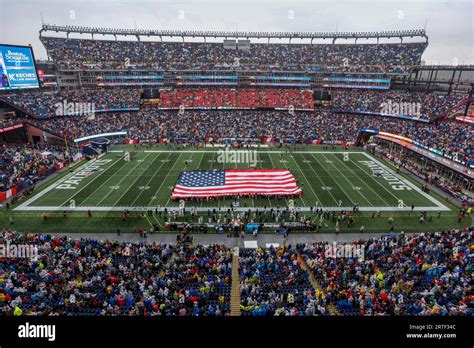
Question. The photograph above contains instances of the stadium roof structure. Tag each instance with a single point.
(236, 34)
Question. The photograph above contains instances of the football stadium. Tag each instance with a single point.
(235, 173)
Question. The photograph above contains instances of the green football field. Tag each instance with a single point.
(334, 180)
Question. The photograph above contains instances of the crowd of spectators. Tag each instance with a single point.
(75, 54)
(8, 122)
(92, 277)
(394, 102)
(431, 172)
(352, 110)
(451, 137)
(51, 104)
(272, 282)
(26, 164)
(420, 274)
(58, 104)
(239, 98)
(426, 274)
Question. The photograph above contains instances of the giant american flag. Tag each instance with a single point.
(234, 182)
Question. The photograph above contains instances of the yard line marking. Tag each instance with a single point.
(307, 181)
(199, 165)
(235, 167)
(322, 182)
(200, 161)
(106, 181)
(93, 179)
(320, 203)
(409, 183)
(363, 181)
(286, 167)
(310, 184)
(219, 201)
(149, 180)
(134, 181)
(166, 177)
(157, 221)
(159, 187)
(52, 186)
(146, 216)
(130, 186)
(378, 183)
(263, 151)
(240, 209)
(124, 177)
(342, 186)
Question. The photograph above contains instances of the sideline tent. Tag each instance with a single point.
(251, 227)
(250, 244)
(272, 245)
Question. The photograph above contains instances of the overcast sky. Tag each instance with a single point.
(450, 24)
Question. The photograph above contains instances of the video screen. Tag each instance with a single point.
(17, 68)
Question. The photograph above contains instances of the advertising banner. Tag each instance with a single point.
(17, 68)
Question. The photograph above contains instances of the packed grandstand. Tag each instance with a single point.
(235, 101)
(99, 54)
(423, 274)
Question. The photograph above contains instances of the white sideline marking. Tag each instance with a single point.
(221, 209)
(120, 181)
(51, 187)
(288, 153)
(433, 200)
(25, 206)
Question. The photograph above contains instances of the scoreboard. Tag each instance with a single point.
(150, 97)
(321, 97)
